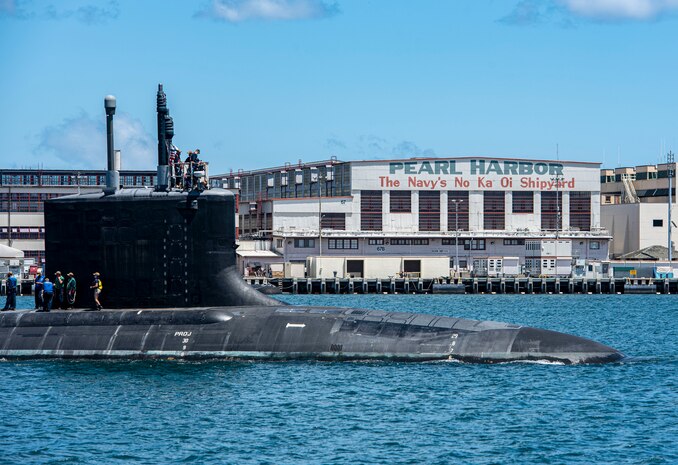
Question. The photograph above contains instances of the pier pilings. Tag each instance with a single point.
(472, 285)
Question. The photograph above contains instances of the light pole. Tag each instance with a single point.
(669, 168)
(557, 179)
(456, 204)
(320, 215)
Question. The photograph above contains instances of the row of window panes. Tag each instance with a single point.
(342, 244)
(74, 180)
(409, 241)
(494, 209)
(314, 182)
(37, 255)
(22, 233)
(25, 202)
(304, 243)
(469, 244)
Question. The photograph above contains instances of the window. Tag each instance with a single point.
(532, 265)
(469, 244)
(22, 233)
(474, 244)
(457, 211)
(370, 211)
(608, 199)
(279, 243)
(304, 243)
(24, 202)
(551, 204)
(333, 221)
(401, 202)
(657, 223)
(523, 202)
(37, 255)
(514, 241)
(594, 245)
(429, 211)
(494, 206)
(533, 245)
(409, 241)
(375, 241)
(342, 243)
(580, 210)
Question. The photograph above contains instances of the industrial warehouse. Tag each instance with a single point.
(421, 218)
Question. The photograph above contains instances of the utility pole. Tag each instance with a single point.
(320, 216)
(456, 234)
(557, 179)
(9, 215)
(669, 168)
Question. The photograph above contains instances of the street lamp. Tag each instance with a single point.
(456, 204)
(557, 179)
(669, 169)
(320, 214)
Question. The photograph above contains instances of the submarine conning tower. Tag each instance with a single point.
(154, 248)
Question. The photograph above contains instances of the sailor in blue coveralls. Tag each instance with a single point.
(10, 303)
(47, 295)
(39, 279)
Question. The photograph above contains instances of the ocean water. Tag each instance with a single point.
(158, 412)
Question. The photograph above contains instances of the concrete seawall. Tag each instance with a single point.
(520, 285)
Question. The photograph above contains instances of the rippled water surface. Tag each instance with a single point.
(160, 412)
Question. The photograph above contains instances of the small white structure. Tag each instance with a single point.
(10, 253)
(377, 267)
(254, 258)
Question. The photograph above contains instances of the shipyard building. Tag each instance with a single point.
(635, 209)
(421, 217)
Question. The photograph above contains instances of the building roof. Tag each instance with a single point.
(654, 252)
(257, 254)
(10, 252)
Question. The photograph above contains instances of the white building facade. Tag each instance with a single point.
(405, 217)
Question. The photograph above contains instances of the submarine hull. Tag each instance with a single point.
(284, 332)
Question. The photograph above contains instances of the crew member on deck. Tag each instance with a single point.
(59, 286)
(39, 279)
(47, 295)
(97, 286)
(71, 287)
(10, 283)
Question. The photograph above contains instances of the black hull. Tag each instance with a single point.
(284, 333)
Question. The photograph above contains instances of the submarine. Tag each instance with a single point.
(171, 291)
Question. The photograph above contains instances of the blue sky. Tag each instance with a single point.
(257, 83)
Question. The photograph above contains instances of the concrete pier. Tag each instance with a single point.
(498, 285)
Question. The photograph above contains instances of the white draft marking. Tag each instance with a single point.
(295, 325)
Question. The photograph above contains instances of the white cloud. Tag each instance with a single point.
(84, 11)
(235, 11)
(80, 143)
(620, 9)
(371, 146)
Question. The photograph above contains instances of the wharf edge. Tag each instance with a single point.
(471, 285)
